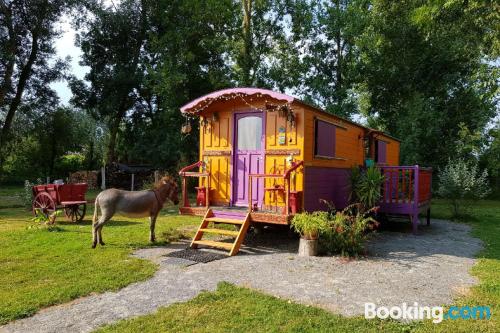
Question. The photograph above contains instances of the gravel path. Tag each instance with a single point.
(429, 269)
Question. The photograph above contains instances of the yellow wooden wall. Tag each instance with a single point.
(277, 154)
(215, 150)
(216, 145)
(348, 146)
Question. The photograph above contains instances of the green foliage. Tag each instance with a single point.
(354, 181)
(460, 182)
(28, 65)
(45, 221)
(490, 159)
(69, 163)
(424, 73)
(366, 186)
(347, 231)
(53, 144)
(310, 225)
(27, 193)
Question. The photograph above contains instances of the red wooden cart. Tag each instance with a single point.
(49, 198)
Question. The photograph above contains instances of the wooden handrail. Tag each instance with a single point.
(189, 167)
(285, 176)
(406, 184)
(184, 172)
(293, 168)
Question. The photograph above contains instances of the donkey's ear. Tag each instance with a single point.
(164, 182)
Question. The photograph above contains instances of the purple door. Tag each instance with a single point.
(248, 157)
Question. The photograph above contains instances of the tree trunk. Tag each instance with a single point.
(246, 57)
(338, 42)
(11, 56)
(123, 107)
(113, 133)
(23, 78)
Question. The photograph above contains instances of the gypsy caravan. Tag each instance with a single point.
(265, 156)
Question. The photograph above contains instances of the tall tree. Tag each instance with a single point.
(27, 33)
(187, 48)
(263, 25)
(318, 56)
(112, 41)
(425, 74)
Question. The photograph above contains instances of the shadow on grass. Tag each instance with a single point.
(110, 223)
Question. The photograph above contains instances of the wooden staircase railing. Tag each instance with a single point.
(285, 177)
(239, 235)
(185, 172)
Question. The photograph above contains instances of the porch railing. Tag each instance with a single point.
(406, 184)
(185, 172)
(406, 191)
(286, 180)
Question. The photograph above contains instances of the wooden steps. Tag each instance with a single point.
(221, 245)
(221, 232)
(224, 220)
(239, 235)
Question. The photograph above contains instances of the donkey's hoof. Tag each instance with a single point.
(94, 245)
(102, 243)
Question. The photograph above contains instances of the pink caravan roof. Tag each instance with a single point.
(204, 101)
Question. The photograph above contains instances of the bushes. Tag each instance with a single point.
(460, 182)
(365, 186)
(310, 225)
(343, 232)
(347, 231)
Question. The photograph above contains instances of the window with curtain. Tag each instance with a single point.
(324, 139)
(250, 133)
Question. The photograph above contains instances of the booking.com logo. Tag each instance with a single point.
(436, 313)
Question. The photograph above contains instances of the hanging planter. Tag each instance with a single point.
(284, 111)
(186, 128)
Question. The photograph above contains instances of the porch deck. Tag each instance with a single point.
(262, 216)
(407, 191)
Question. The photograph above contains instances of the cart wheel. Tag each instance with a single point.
(75, 213)
(44, 204)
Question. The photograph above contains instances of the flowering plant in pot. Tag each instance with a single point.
(348, 230)
(309, 226)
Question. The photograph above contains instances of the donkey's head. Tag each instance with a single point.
(168, 186)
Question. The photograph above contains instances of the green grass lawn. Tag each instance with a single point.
(234, 309)
(40, 267)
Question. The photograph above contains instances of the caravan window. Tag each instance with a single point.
(380, 152)
(324, 139)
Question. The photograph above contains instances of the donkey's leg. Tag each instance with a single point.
(94, 222)
(152, 223)
(98, 229)
(94, 235)
(99, 234)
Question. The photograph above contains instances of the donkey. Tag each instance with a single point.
(133, 204)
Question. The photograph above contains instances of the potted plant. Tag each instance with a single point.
(309, 226)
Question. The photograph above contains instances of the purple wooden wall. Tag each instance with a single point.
(331, 184)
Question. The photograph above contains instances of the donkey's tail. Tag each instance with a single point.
(96, 209)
